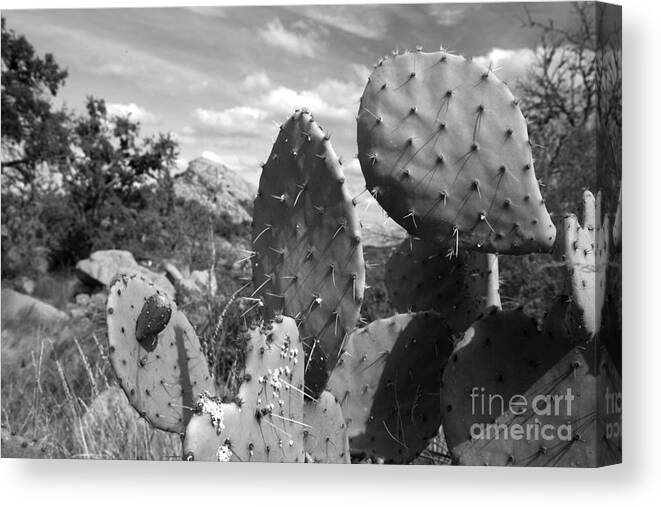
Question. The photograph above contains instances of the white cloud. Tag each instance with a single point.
(344, 93)
(509, 64)
(181, 164)
(447, 15)
(248, 166)
(275, 34)
(207, 11)
(283, 101)
(133, 111)
(365, 21)
(210, 155)
(234, 121)
(257, 81)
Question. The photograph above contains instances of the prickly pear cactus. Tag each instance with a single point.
(513, 395)
(422, 276)
(265, 423)
(308, 260)
(585, 249)
(325, 437)
(445, 150)
(388, 383)
(155, 353)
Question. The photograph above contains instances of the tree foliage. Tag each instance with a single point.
(29, 122)
(572, 89)
(84, 180)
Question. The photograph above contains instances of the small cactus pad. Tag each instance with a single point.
(421, 276)
(155, 353)
(584, 249)
(265, 423)
(513, 395)
(308, 260)
(388, 383)
(445, 150)
(325, 438)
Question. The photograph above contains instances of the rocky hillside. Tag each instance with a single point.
(217, 188)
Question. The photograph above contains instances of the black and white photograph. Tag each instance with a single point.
(317, 234)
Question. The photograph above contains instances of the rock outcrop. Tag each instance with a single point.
(104, 265)
(216, 188)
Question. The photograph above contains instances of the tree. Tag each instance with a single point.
(112, 185)
(115, 175)
(568, 96)
(31, 129)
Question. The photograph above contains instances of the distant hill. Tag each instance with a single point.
(217, 188)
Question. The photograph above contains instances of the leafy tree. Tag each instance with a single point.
(31, 129)
(115, 175)
(112, 186)
(571, 92)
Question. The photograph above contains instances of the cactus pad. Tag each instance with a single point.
(388, 383)
(265, 423)
(445, 150)
(308, 260)
(325, 438)
(421, 276)
(513, 395)
(584, 249)
(16, 446)
(155, 353)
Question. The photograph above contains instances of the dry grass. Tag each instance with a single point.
(48, 397)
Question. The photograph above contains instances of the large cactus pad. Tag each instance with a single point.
(155, 353)
(388, 382)
(513, 395)
(306, 235)
(444, 148)
(422, 276)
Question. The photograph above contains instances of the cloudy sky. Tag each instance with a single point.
(222, 78)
